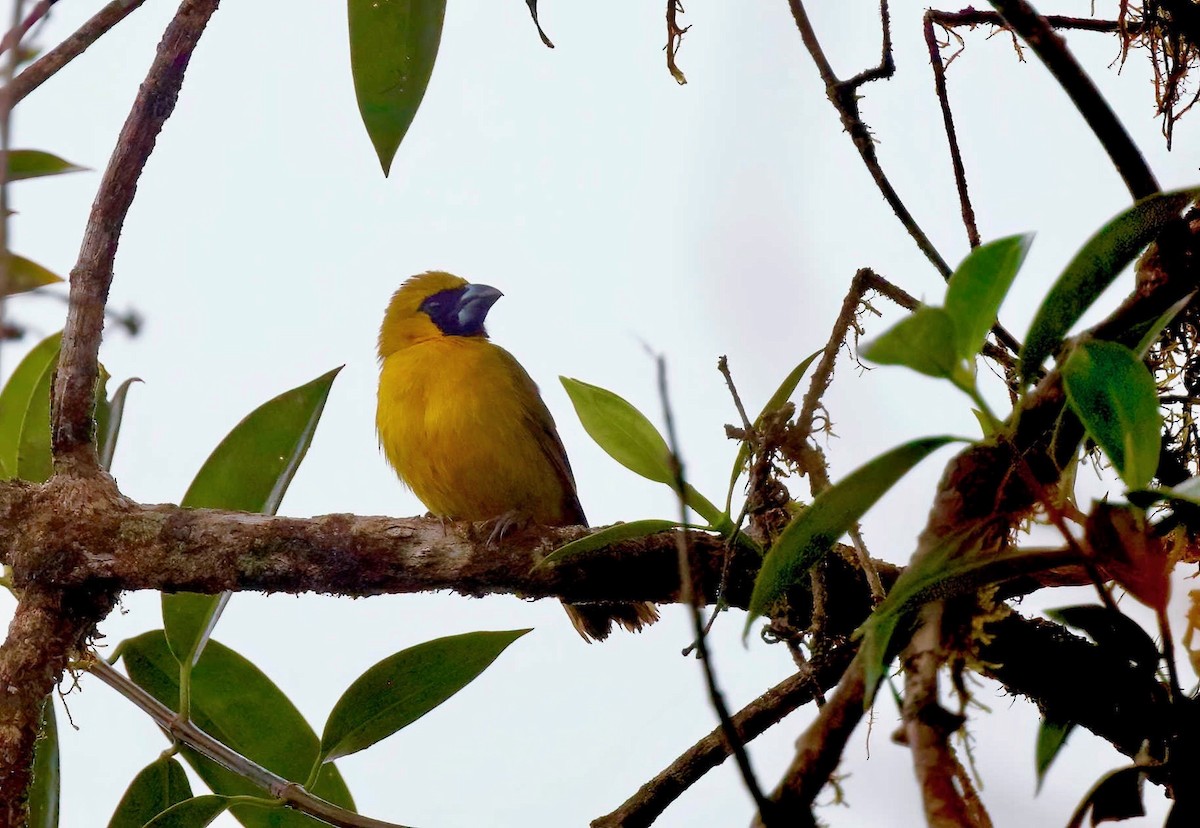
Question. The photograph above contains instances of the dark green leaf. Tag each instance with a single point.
(44, 788)
(782, 394)
(632, 440)
(24, 275)
(160, 785)
(1114, 632)
(249, 471)
(978, 287)
(24, 164)
(1155, 328)
(1052, 735)
(15, 398)
(235, 703)
(830, 515)
(1113, 394)
(393, 46)
(533, 11)
(109, 414)
(1117, 796)
(191, 813)
(1093, 269)
(607, 537)
(35, 463)
(405, 686)
(925, 341)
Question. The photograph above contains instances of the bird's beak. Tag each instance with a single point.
(473, 306)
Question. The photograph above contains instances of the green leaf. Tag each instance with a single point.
(44, 788)
(782, 394)
(15, 398)
(35, 462)
(632, 440)
(830, 515)
(191, 813)
(109, 414)
(405, 686)
(978, 287)
(1113, 394)
(1051, 737)
(1116, 796)
(249, 471)
(24, 164)
(1093, 269)
(393, 46)
(1116, 634)
(1155, 328)
(925, 341)
(24, 275)
(233, 701)
(607, 537)
(156, 788)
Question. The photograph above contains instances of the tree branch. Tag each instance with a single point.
(71, 422)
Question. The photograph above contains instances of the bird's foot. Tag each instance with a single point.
(500, 525)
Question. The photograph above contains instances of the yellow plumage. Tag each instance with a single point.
(464, 427)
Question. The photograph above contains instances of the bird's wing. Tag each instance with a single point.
(541, 426)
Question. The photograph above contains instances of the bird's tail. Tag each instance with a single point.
(595, 621)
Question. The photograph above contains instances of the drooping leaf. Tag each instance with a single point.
(1122, 542)
(1052, 735)
(249, 471)
(109, 413)
(1154, 329)
(35, 462)
(830, 515)
(405, 686)
(25, 163)
(191, 813)
(14, 399)
(607, 537)
(925, 341)
(1093, 269)
(534, 11)
(1114, 632)
(393, 46)
(233, 701)
(782, 394)
(156, 788)
(632, 440)
(978, 287)
(24, 274)
(1115, 398)
(45, 786)
(1116, 796)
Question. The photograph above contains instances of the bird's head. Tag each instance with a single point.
(433, 305)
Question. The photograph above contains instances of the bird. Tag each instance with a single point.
(464, 426)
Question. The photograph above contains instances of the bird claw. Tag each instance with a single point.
(502, 524)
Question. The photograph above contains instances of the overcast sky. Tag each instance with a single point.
(618, 212)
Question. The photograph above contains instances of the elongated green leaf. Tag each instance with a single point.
(925, 341)
(250, 471)
(35, 463)
(14, 399)
(1093, 269)
(1155, 328)
(393, 46)
(978, 287)
(24, 275)
(46, 783)
(632, 440)
(156, 788)
(782, 394)
(1113, 394)
(607, 537)
(191, 813)
(1051, 737)
(109, 413)
(234, 702)
(831, 514)
(24, 163)
(405, 686)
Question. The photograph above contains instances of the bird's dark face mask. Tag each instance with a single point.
(461, 311)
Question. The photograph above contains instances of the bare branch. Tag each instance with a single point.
(72, 424)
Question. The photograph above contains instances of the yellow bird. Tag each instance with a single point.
(465, 428)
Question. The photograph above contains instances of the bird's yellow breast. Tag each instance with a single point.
(463, 425)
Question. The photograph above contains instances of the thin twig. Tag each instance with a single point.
(10, 68)
(751, 721)
(1035, 30)
(36, 73)
(690, 599)
(74, 387)
(21, 25)
(289, 794)
(675, 34)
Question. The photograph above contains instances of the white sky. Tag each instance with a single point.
(616, 210)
